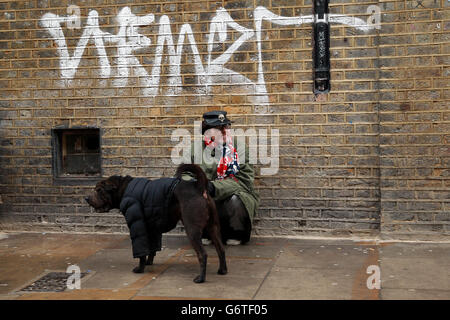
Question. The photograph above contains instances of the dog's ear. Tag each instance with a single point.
(109, 187)
(112, 183)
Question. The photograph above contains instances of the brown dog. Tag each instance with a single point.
(155, 207)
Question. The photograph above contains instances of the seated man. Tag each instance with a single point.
(231, 182)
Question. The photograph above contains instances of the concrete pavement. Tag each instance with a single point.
(266, 268)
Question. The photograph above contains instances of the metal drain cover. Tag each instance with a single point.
(51, 282)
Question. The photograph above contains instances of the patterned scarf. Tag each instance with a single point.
(228, 165)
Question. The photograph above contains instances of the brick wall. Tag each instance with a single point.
(414, 117)
(370, 156)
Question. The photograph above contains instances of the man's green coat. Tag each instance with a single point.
(225, 188)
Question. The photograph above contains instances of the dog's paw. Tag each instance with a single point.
(199, 279)
(138, 270)
(222, 271)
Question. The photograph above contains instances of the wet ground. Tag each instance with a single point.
(266, 268)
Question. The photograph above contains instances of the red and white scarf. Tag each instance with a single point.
(228, 165)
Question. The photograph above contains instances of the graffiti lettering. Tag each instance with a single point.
(69, 64)
(128, 39)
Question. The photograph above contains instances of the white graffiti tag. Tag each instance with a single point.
(68, 64)
(128, 40)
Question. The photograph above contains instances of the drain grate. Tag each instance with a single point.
(51, 282)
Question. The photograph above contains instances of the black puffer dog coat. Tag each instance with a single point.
(144, 206)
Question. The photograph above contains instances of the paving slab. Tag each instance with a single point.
(301, 283)
(415, 266)
(341, 264)
(440, 251)
(408, 273)
(241, 282)
(414, 294)
(322, 256)
(112, 267)
(259, 248)
(83, 294)
(237, 267)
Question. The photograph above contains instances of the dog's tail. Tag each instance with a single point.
(202, 180)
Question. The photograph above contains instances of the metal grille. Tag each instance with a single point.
(51, 282)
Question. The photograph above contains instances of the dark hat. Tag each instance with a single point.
(216, 118)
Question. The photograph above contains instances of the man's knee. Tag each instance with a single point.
(234, 219)
(238, 212)
(232, 208)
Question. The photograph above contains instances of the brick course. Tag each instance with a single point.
(371, 156)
